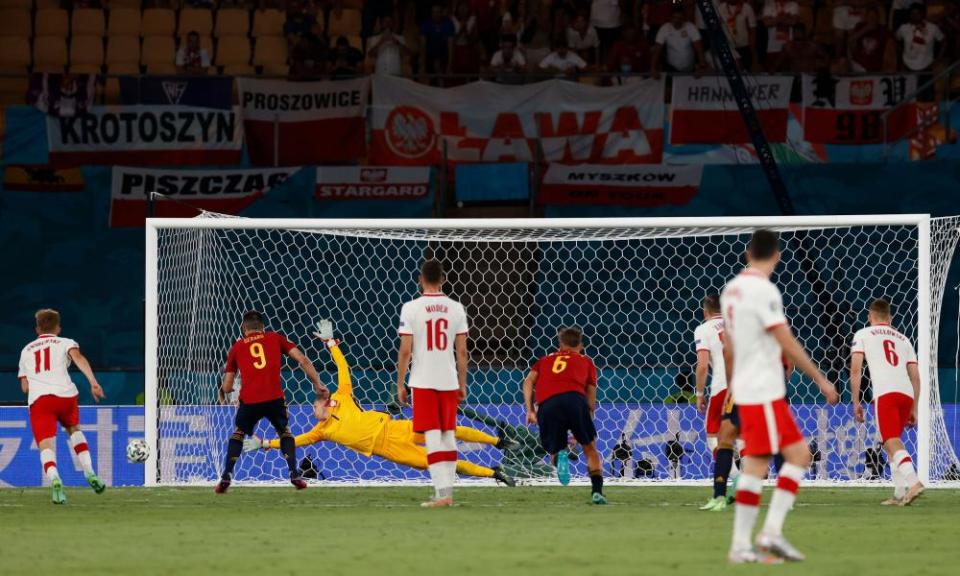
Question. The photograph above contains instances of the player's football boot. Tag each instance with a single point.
(59, 496)
(721, 505)
(779, 546)
(96, 483)
(223, 485)
(299, 483)
(711, 503)
(912, 494)
(563, 467)
(504, 443)
(500, 476)
(437, 503)
(749, 556)
(598, 499)
(892, 501)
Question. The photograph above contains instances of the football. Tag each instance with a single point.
(138, 451)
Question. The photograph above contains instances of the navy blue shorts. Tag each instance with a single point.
(562, 413)
(733, 415)
(273, 410)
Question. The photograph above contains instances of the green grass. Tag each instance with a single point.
(493, 531)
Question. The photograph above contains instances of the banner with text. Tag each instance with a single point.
(145, 136)
(556, 121)
(847, 110)
(187, 191)
(198, 91)
(620, 185)
(296, 123)
(705, 111)
(372, 182)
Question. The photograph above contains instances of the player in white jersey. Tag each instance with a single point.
(756, 336)
(721, 431)
(896, 386)
(52, 397)
(433, 333)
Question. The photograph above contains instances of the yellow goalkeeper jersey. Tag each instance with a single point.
(349, 424)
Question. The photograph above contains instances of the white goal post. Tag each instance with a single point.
(634, 285)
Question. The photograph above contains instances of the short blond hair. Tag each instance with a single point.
(47, 319)
(881, 308)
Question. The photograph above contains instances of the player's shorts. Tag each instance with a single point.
(893, 413)
(730, 412)
(397, 444)
(715, 411)
(47, 410)
(435, 409)
(561, 413)
(767, 428)
(248, 415)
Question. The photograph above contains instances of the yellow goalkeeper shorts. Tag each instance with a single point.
(396, 444)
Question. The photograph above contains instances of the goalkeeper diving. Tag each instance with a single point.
(371, 433)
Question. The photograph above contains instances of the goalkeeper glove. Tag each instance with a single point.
(252, 444)
(324, 330)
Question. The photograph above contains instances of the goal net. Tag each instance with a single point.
(634, 286)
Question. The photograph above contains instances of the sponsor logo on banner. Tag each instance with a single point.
(620, 185)
(705, 111)
(553, 121)
(372, 183)
(295, 123)
(842, 110)
(42, 179)
(146, 135)
(187, 191)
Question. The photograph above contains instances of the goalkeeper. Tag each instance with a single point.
(371, 433)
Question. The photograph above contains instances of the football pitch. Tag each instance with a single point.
(492, 531)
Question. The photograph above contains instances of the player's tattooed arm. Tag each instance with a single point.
(463, 359)
(84, 365)
(528, 384)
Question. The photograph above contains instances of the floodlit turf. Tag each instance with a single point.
(493, 531)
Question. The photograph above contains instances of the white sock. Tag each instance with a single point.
(439, 476)
(712, 443)
(449, 440)
(79, 444)
(904, 465)
(49, 460)
(899, 486)
(788, 482)
(746, 511)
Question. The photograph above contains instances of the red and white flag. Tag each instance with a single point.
(187, 191)
(620, 185)
(145, 136)
(848, 110)
(301, 123)
(705, 111)
(372, 182)
(552, 121)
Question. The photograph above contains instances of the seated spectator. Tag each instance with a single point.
(802, 54)
(308, 58)
(582, 38)
(605, 17)
(345, 60)
(918, 39)
(684, 50)
(437, 41)
(868, 43)
(300, 21)
(741, 26)
(562, 61)
(465, 57)
(900, 12)
(659, 12)
(778, 16)
(846, 16)
(508, 62)
(388, 48)
(631, 54)
(191, 57)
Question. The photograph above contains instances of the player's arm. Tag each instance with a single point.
(84, 366)
(528, 383)
(795, 353)
(914, 373)
(403, 366)
(728, 361)
(226, 387)
(307, 366)
(703, 368)
(592, 399)
(344, 383)
(463, 359)
(856, 377)
(24, 385)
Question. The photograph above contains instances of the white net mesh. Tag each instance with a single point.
(635, 291)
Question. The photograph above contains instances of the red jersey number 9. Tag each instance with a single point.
(560, 364)
(256, 350)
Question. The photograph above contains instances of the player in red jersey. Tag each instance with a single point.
(565, 384)
(258, 356)
(52, 396)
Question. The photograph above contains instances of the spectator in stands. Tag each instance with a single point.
(684, 49)
(779, 17)
(308, 58)
(582, 38)
(868, 43)
(488, 23)
(605, 17)
(374, 10)
(191, 57)
(802, 54)
(900, 10)
(345, 60)
(562, 61)
(918, 39)
(388, 49)
(741, 23)
(847, 14)
(631, 54)
(437, 41)
(301, 20)
(508, 62)
(465, 57)
(658, 13)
